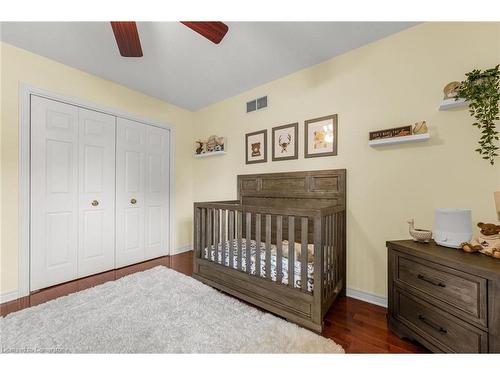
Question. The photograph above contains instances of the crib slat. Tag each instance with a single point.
(203, 234)
(239, 222)
(209, 233)
(291, 251)
(257, 243)
(216, 235)
(231, 238)
(279, 249)
(334, 269)
(268, 247)
(223, 237)
(328, 254)
(303, 253)
(248, 233)
(325, 257)
(336, 250)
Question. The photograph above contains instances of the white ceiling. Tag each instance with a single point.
(183, 68)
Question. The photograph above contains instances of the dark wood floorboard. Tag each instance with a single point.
(358, 326)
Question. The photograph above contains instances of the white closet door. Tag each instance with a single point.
(96, 240)
(130, 191)
(54, 192)
(157, 192)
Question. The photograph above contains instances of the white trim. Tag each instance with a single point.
(182, 249)
(25, 91)
(374, 299)
(9, 296)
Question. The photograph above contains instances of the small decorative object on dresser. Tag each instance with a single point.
(419, 235)
(320, 137)
(452, 226)
(488, 243)
(447, 300)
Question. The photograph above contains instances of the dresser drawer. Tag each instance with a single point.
(439, 328)
(465, 293)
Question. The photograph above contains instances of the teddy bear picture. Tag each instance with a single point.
(487, 243)
(256, 149)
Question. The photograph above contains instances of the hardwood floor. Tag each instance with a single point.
(358, 326)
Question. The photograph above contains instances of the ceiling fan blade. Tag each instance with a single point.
(213, 31)
(127, 38)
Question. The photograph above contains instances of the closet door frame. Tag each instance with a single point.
(25, 93)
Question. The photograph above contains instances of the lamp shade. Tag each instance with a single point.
(497, 203)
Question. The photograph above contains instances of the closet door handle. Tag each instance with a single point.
(133, 201)
(94, 203)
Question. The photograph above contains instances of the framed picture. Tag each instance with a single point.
(285, 140)
(256, 147)
(320, 137)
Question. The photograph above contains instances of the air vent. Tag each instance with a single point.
(257, 104)
(262, 102)
(251, 106)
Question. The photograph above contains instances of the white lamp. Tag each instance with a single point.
(452, 226)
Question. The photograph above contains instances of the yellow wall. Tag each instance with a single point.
(18, 65)
(395, 81)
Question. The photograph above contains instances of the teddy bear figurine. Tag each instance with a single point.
(488, 242)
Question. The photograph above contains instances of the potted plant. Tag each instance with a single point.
(482, 91)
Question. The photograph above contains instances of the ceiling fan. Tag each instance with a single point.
(129, 44)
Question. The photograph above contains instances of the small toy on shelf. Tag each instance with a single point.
(419, 235)
(420, 128)
(487, 243)
(199, 148)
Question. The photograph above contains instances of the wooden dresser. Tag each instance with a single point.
(446, 299)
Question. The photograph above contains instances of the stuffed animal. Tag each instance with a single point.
(488, 242)
(319, 139)
(199, 149)
(255, 149)
(298, 251)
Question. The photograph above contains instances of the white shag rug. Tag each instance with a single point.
(155, 311)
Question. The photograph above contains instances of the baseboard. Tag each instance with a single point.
(181, 249)
(374, 299)
(9, 296)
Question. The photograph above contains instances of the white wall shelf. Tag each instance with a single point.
(207, 154)
(403, 139)
(451, 103)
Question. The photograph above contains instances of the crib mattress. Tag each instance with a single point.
(253, 254)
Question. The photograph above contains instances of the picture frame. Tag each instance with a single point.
(321, 136)
(285, 142)
(256, 147)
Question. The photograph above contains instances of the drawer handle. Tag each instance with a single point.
(436, 283)
(432, 324)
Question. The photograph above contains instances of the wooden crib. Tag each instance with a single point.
(291, 228)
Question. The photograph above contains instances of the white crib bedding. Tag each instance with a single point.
(253, 244)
